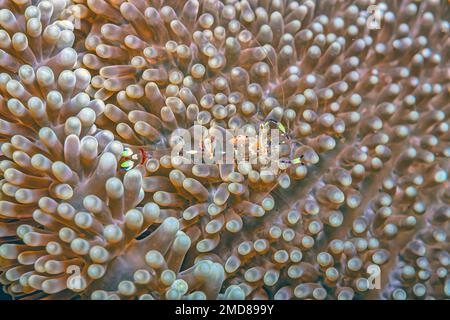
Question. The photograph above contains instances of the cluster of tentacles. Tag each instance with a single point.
(367, 111)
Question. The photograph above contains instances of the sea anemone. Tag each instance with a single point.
(357, 208)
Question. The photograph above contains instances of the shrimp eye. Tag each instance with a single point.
(127, 152)
(127, 165)
(282, 128)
